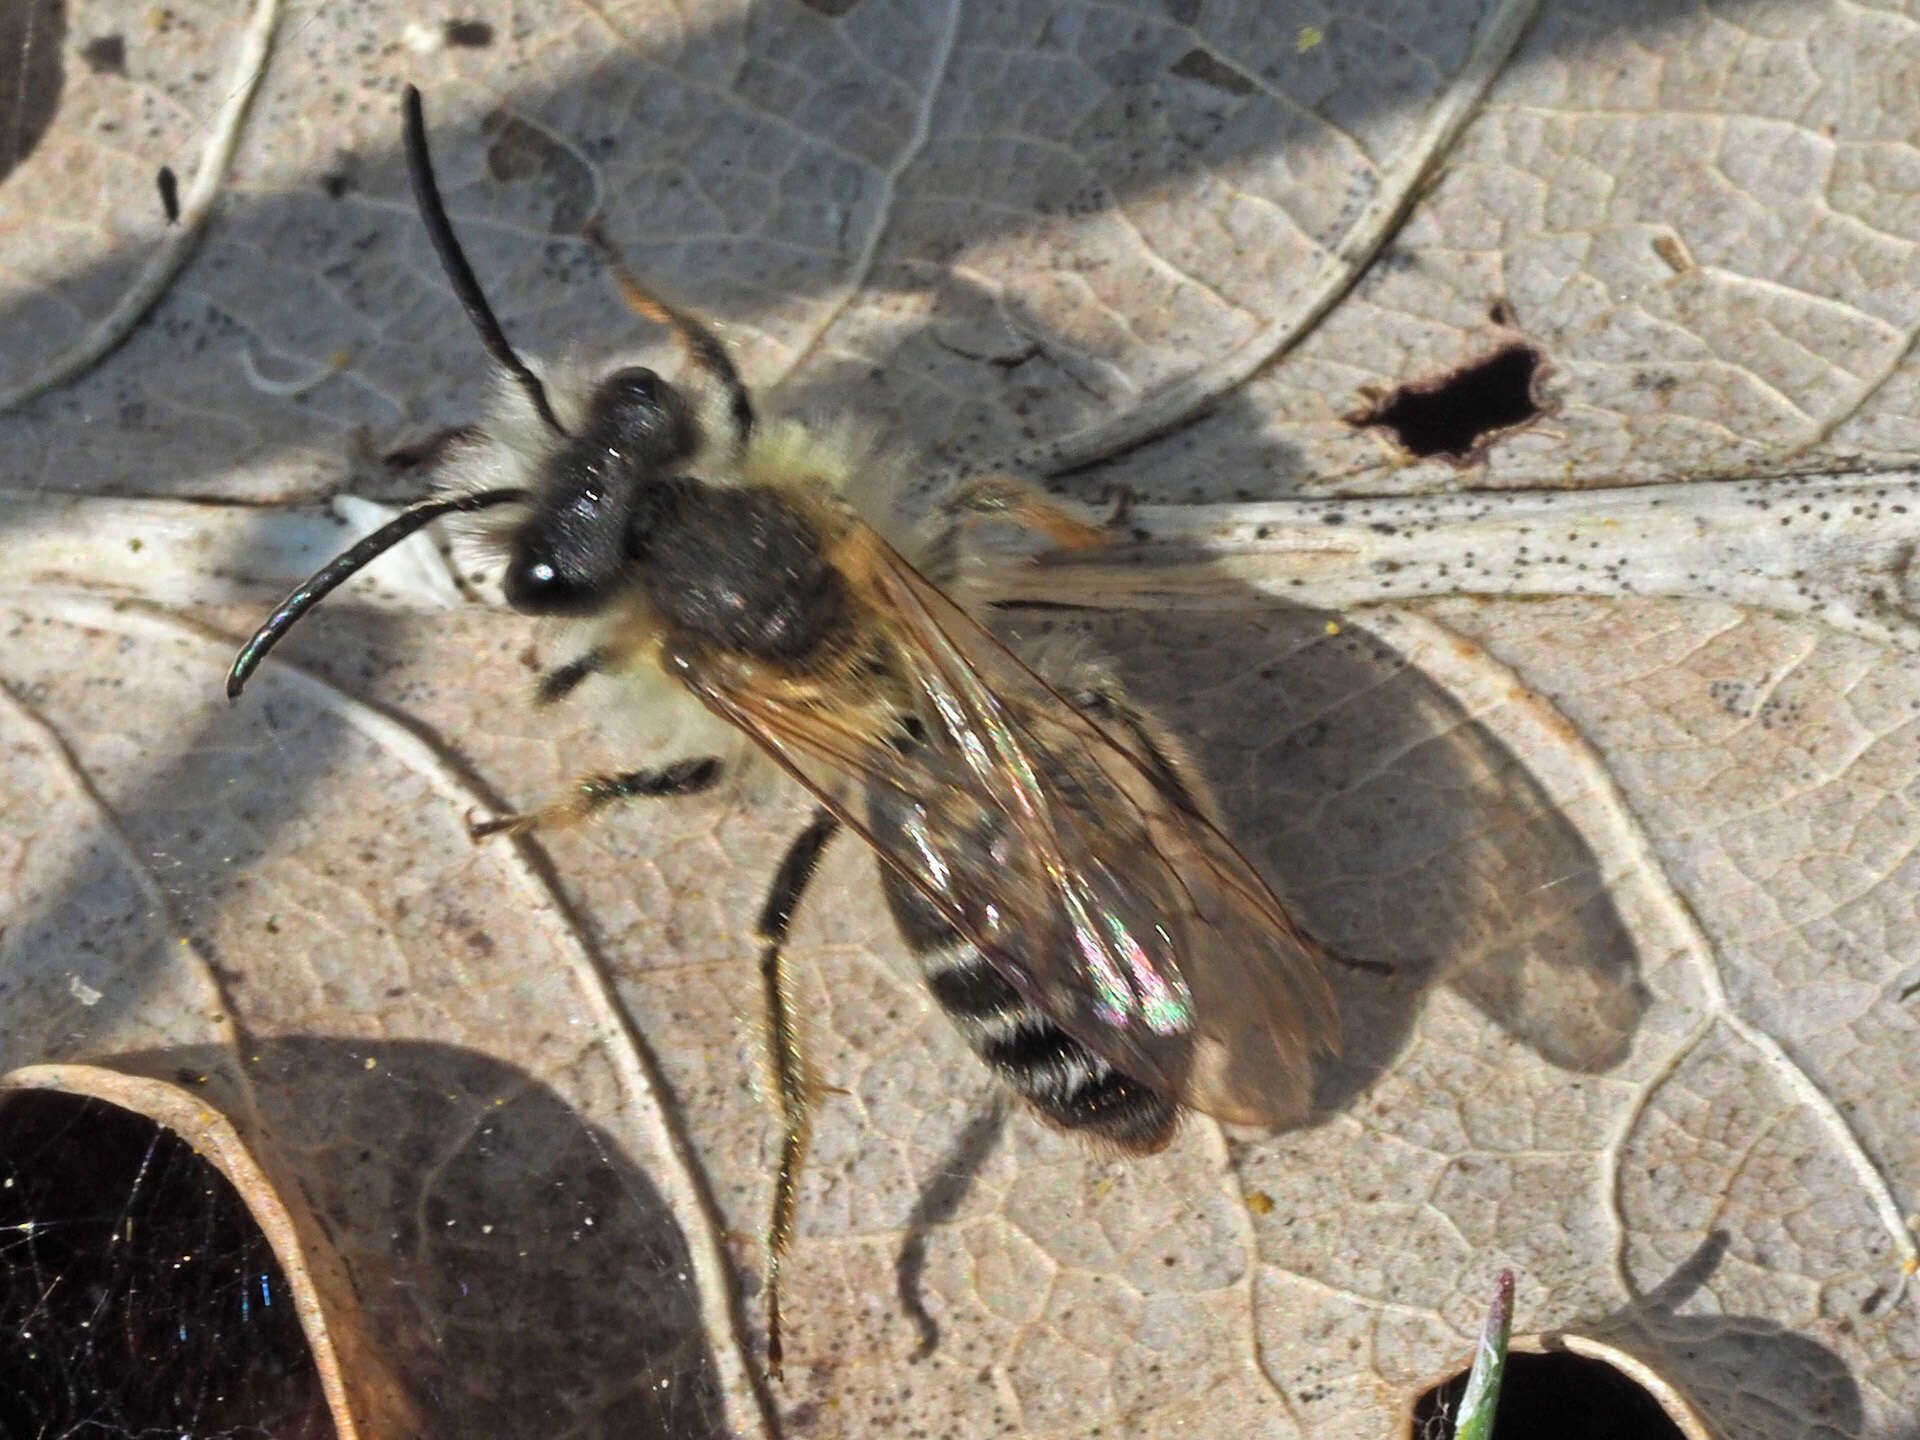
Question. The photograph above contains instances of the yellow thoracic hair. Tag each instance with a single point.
(842, 456)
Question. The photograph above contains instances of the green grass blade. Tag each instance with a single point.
(1482, 1396)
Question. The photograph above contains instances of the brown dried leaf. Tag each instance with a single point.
(1643, 865)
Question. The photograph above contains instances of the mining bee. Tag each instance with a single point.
(1047, 854)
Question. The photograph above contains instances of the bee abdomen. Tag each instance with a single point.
(1067, 1083)
(969, 989)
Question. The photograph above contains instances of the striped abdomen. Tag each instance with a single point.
(1067, 1083)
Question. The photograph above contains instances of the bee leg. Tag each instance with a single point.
(595, 792)
(1381, 968)
(560, 683)
(1002, 497)
(734, 410)
(602, 659)
(785, 1057)
(1104, 700)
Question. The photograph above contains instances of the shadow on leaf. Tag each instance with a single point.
(1748, 1375)
(517, 1271)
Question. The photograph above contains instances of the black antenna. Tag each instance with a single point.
(426, 195)
(323, 582)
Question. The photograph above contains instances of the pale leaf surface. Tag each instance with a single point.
(1642, 865)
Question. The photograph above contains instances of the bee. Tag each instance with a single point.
(1048, 856)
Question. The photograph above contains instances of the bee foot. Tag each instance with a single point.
(478, 830)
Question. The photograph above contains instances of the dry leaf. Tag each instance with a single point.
(1640, 852)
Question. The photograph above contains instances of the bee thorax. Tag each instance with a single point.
(742, 568)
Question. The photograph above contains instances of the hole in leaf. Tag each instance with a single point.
(1555, 1396)
(1452, 416)
(137, 1297)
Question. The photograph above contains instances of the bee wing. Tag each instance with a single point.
(1170, 957)
(1073, 862)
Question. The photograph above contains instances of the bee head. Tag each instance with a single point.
(605, 488)
(570, 555)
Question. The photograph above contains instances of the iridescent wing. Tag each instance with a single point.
(1065, 849)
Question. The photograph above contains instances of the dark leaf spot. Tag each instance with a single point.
(169, 193)
(1210, 69)
(106, 55)
(469, 34)
(524, 152)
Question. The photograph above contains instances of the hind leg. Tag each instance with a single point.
(792, 1087)
(1001, 497)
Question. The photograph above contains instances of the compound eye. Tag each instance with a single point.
(536, 585)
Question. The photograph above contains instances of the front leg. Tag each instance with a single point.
(611, 654)
(593, 793)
